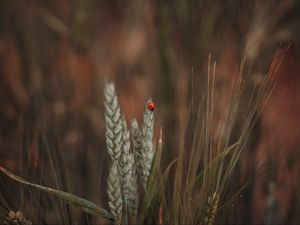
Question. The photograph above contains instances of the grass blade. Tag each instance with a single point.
(83, 204)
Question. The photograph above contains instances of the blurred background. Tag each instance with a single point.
(56, 55)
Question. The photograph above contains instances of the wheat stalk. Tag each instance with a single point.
(113, 122)
(114, 191)
(16, 218)
(212, 209)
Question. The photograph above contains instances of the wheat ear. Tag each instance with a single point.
(147, 144)
(125, 167)
(212, 209)
(125, 162)
(16, 218)
(136, 138)
(133, 198)
(113, 122)
(142, 145)
(114, 191)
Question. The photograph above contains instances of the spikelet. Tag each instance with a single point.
(212, 209)
(114, 191)
(125, 162)
(113, 122)
(147, 144)
(16, 218)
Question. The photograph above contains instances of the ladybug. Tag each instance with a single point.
(151, 106)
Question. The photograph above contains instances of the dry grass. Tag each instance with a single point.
(202, 175)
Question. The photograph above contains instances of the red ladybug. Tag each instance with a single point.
(151, 106)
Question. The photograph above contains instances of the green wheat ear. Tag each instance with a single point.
(143, 145)
(114, 191)
(113, 122)
(147, 144)
(136, 138)
(125, 162)
(122, 182)
(133, 197)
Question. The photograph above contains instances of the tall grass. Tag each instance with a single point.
(139, 192)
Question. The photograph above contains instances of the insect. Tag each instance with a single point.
(151, 105)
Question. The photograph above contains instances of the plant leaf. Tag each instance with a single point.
(83, 204)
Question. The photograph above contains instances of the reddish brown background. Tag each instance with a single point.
(56, 55)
